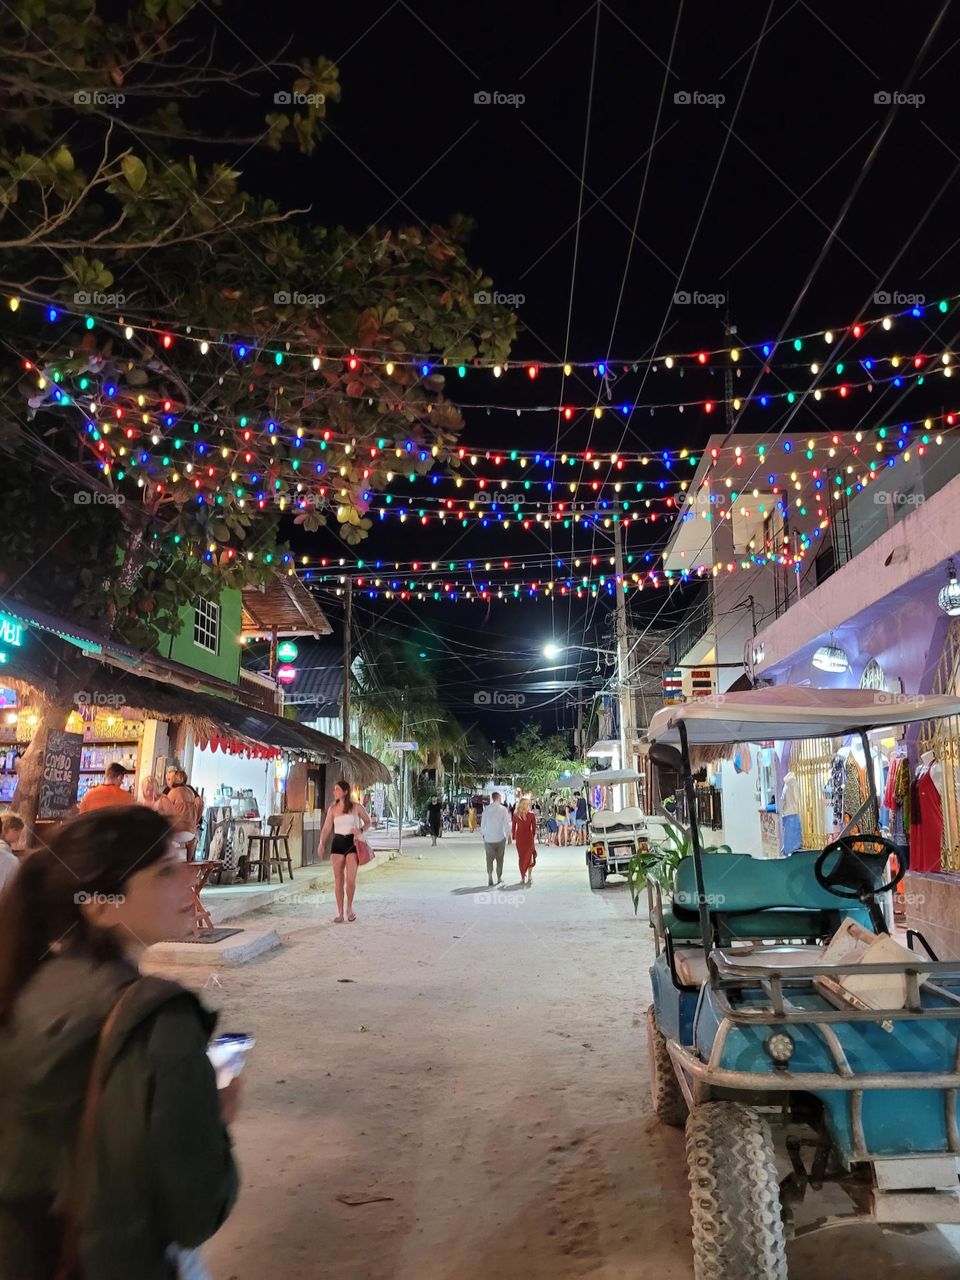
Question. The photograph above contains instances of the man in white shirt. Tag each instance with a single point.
(11, 829)
(496, 830)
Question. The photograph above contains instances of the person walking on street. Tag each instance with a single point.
(525, 837)
(580, 819)
(347, 820)
(495, 830)
(435, 819)
(115, 1157)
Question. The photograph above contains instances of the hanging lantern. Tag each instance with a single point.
(287, 651)
(949, 597)
(286, 675)
(830, 657)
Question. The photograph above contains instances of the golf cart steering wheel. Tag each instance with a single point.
(854, 875)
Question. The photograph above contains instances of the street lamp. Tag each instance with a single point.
(494, 745)
(552, 650)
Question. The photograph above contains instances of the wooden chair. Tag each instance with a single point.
(202, 872)
(267, 844)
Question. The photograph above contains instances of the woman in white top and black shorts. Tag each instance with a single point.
(347, 820)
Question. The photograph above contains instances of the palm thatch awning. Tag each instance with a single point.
(285, 606)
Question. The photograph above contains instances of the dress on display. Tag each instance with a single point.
(896, 799)
(926, 828)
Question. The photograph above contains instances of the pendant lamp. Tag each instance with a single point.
(830, 657)
(949, 597)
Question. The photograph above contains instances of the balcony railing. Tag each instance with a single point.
(695, 628)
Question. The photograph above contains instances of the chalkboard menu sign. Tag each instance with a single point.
(61, 774)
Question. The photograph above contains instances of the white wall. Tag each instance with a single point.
(741, 812)
(211, 768)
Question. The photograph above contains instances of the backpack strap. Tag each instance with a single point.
(73, 1201)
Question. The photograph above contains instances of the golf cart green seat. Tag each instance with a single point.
(755, 898)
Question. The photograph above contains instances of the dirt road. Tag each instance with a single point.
(473, 1063)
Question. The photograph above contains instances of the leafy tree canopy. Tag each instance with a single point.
(173, 339)
(536, 761)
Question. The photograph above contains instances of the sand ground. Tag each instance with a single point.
(479, 1061)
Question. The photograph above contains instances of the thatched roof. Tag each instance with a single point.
(283, 605)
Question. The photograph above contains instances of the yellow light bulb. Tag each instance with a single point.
(14, 304)
(204, 348)
(887, 323)
(669, 362)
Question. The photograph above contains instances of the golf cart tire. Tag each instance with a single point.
(738, 1231)
(598, 876)
(668, 1100)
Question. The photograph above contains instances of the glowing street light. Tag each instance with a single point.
(552, 649)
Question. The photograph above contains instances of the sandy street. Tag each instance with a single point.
(480, 1063)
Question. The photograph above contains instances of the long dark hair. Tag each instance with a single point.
(347, 800)
(40, 907)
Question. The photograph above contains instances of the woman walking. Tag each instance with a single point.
(114, 1152)
(525, 835)
(346, 820)
(435, 819)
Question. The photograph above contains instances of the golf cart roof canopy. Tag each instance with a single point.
(792, 711)
(612, 777)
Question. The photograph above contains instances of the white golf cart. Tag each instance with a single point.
(616, 835)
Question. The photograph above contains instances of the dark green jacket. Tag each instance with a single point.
(163, 1170)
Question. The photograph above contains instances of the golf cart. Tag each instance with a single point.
(782, 1005)
(617, 835)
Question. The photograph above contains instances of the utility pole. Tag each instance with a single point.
(403, 773)
(347, 661)
(623, 664)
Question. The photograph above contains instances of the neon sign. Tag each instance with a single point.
(11, 633)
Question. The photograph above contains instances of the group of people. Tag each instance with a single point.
(567, 821)
(177, 801)
(561, 822)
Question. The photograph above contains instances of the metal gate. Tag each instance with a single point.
(810, 760)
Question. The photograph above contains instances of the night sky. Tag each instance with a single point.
(737, 200)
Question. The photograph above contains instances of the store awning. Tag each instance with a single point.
(212, 717)
(605, 747)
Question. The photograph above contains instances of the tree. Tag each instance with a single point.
(178, 342)
(535, 761)
(176, 375)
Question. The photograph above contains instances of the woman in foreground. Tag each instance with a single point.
(347, 820)
(114, 1153)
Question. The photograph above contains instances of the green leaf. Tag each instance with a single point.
(135, 171)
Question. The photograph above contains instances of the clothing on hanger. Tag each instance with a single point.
(926, 827)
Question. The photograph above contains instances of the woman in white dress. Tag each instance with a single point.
(347, 820)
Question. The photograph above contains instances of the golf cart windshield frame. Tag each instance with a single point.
(706, 931)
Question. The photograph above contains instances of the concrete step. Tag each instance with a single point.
(235, 900)
(239, 949)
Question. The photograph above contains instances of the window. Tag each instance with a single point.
(206, 625)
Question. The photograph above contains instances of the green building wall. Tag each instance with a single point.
(225, 663)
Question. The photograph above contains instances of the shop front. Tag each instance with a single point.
(898, 646)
